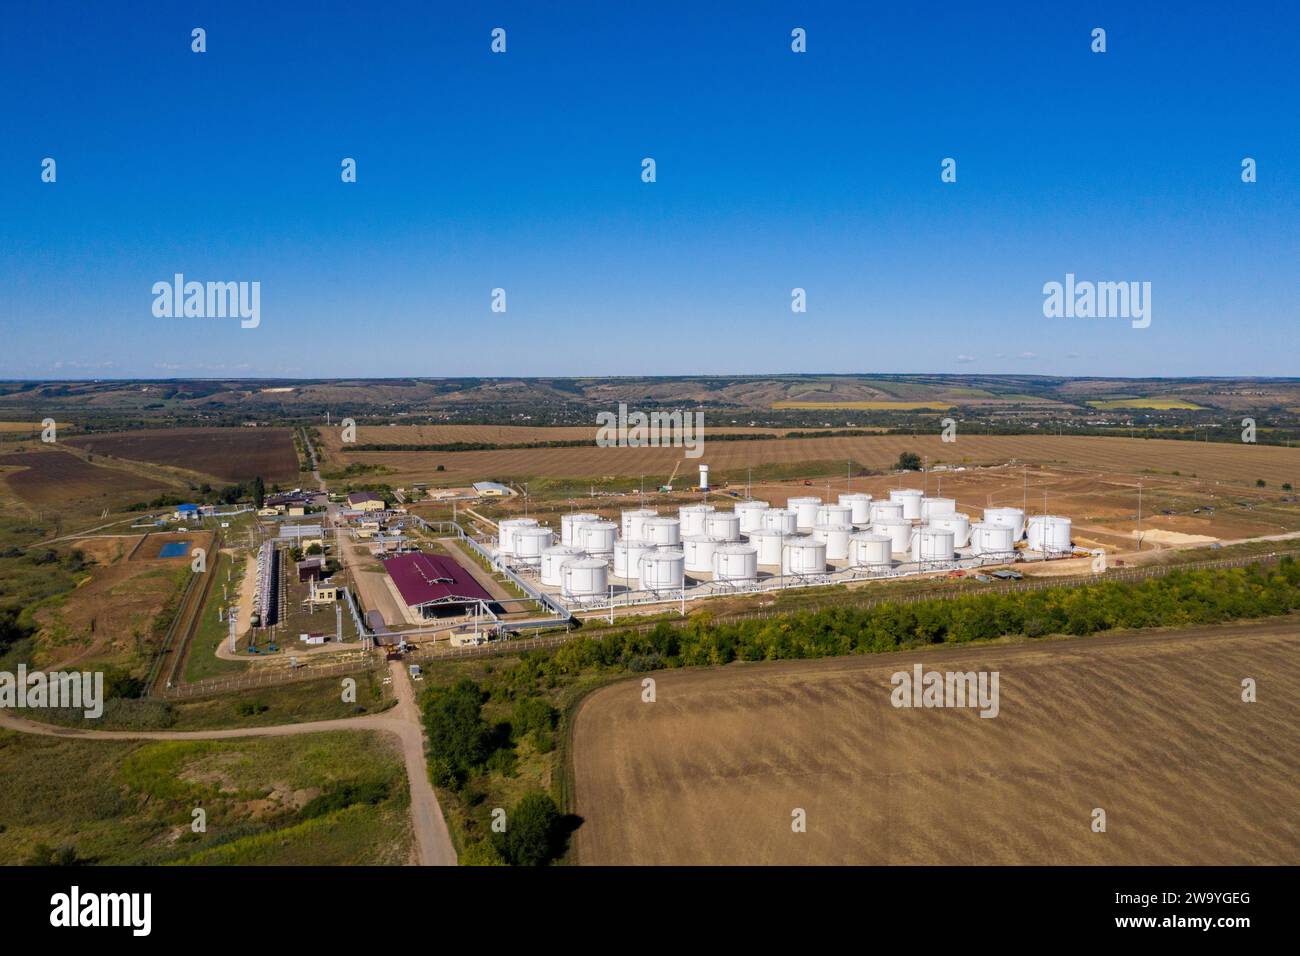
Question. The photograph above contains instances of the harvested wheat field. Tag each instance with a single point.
(230, 454)
(1239, 464)
(58, 477)
(1149, 727)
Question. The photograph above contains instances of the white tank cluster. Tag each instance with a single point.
(735, 563)
(698, 549)
(802, 555)
(597, 537)
(1049, 533)
(781, 519)
(506, 531)
(751, 515)
(693, 517)
(932, 544)
(569, 524)
(768, 542)
(958, 524)
(898, 530)
(805, 509)
(529, 543)
(724, 525)
(859, 505)
(663, 570)
(666, 532)
(933, 507)
(836, 538)
(910, 499)
(870, 550)
(627, 558)
(1012, 518)
(993, 540)
(584, 579)
(807, 539)
(632, 521)
(552, 560)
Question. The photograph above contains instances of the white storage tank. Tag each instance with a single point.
(910, 499)
(529, 543)
(506, 533)
(836, 539)
(1012, 518)
(932, 544)
(781, 519)
(662, 531)
(699, 549)
(805, 509)
(663, 570)
(735, 563)
(993, 540)
(724, 525)
(859, 507)
(870, 550)
(584, 578)
(933, 507)
(1049, 533)
(751, 515)
(958, 524)
(886, 509)
(569, 523)
(597, 537)
(692, 518)
(632, 520)
(898, 530)
(803, 555)
(768, 542)
(834, 514)
(627, 558)
(555, 556)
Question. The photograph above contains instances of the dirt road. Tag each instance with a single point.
(432, 844)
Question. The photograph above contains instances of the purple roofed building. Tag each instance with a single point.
(430, 582)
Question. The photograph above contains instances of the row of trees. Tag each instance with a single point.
(1177, 599)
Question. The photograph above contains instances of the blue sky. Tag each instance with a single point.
(522, 171)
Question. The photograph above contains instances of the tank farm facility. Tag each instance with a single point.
(703, 549)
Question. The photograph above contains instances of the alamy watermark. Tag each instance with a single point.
(80, 690)
(921, 688)
(653, 430)
(1098, 300)
(212, 300)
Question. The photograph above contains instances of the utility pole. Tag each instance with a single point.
(1139, 525)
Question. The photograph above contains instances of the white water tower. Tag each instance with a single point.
(704, 477)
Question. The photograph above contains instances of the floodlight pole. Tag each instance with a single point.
(1139, 522)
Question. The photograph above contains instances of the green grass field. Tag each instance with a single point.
(293, 703)
(864, 406)
(1158, 404)
(131, 803)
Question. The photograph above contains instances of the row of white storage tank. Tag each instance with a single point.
(710, 540)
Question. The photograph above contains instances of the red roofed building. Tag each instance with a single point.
(431, 582)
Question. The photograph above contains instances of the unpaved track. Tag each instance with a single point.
(432, 841)
(1149, 726)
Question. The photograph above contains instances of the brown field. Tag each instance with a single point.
(729, 460)
(506, 434)
(49, 477)
(109, 615)
(1149, 727)
(228, 454)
